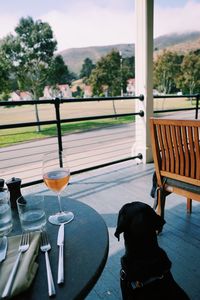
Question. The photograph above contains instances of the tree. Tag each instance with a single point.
(5, 68)
(78, 93)
(111, 74)
(30, 52)
(87, 68)
(189, 80)
(107, 74)
(59, 74)
(128, 70)
(166, 70)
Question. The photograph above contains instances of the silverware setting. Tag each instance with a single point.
(23, 247)
(60, 243)
(45, 247)
(3, 248)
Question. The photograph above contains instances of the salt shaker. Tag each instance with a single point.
(2, 189)
(6, 215)
(14, 187)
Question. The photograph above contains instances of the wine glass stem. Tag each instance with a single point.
(59, 201)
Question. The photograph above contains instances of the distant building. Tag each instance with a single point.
(61, 91)
(130, 88)
(19, 96)
(87, 91)
(155, 92)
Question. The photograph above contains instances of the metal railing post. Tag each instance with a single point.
(59, 132)
(197, 107)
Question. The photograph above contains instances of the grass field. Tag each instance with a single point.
(72, 110)
(14, 136)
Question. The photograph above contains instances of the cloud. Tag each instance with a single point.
(90, 23)
(91, 26)
(8, 22)
(102, 22)
(179, 19)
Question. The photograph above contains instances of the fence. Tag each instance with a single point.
(107, 148)
(31, 156)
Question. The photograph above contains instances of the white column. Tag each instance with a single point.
(144, 75)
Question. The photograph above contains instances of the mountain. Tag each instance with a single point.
(170, 40)
(74, 57)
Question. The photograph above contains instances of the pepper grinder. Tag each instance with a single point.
(14, 185)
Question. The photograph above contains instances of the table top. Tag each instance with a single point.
(85, 252)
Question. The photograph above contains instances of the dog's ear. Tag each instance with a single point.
(120, 226)
(121, 222)
(157, 221)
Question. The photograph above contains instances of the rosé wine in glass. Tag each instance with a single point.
(56, 175)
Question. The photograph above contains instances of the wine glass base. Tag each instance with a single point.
(61, 217)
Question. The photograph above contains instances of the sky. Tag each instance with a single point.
(83, 23)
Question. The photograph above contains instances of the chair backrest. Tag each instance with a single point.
(176, 149)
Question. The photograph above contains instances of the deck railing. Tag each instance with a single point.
(58, 121)
(196, 98)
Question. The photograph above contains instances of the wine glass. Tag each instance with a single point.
(56, 174)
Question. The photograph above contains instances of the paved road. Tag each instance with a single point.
(84, 150)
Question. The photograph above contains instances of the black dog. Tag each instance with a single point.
(145, 272)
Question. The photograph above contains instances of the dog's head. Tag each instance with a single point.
(138, 219)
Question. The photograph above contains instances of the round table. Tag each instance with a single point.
(85, 252)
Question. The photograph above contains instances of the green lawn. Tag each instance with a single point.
(13, 136)
(70, 110)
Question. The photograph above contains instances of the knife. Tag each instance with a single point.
(3, 248)
(60, 243)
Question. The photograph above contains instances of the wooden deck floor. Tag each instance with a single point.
(106, 190)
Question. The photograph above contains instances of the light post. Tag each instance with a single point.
(121, 61)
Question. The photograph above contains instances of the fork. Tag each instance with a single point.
(45, 247)
(23, 247)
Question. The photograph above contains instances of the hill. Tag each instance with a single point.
(171, 40)
(74, 57)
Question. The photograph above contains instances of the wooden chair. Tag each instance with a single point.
(176, 154)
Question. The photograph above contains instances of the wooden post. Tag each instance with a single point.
(144, 75)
